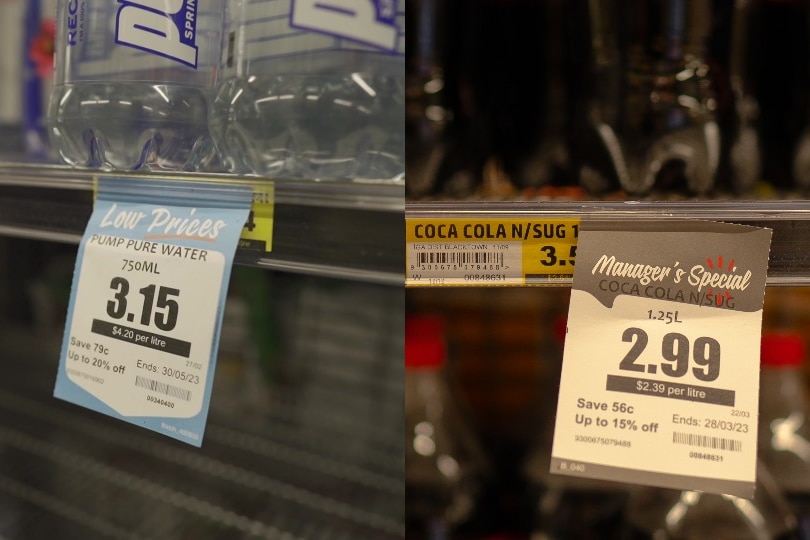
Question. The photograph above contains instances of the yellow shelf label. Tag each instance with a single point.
(489, 251)
(258, 230)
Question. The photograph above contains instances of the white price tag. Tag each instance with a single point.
(146, 305)
(660, 378)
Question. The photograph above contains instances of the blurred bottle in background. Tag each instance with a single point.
(444, 127)
(635, 97)
(313, 89)
(569, 507)
(563, 506)
(435, 160)
(11, 40)
(514, 90)
(27, 38)
(668, 514)
(445, 467)
(37, 83)
(133, 83)
(740, 121)
(767, 57)
(647, 118)
(781, 60)
(784, 413)
(545, 160)
(427, 112)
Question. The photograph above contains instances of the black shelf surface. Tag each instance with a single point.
(789, 261)
(259, 475)
(344, 229)
(303, 443)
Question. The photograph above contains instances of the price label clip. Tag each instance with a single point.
(141, 337)
(660, 378)
(489, 251)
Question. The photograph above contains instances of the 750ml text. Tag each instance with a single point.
(150, 267)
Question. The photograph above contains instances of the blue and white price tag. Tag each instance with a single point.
(147, 300)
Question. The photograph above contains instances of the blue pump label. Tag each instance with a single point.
(147, 300)
(278, 28)
(75, 29)
(167, 28)
(115, 39)
(371, 22)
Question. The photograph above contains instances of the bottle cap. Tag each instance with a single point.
(424, 341)
(782, 349)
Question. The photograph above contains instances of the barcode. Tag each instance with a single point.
(707, 441)
(460, 257)
(163, 388)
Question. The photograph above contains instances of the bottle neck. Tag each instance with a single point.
(782, 388)
(425, 393)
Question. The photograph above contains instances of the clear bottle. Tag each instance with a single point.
(565, 506)
(784, 416)
(313, 89)
(745, 152)
(11, 73)
(37, 80)
(648, 118)
(133, 83)
(445, 126)
(668, 514)
(427, 114)
(444, 464)
(526, 121)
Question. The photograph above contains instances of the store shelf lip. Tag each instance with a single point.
(350, 274)
(351, 229)
(789, 220)
(31, 234)
(378, 195)
(719, 210)
(44, 176)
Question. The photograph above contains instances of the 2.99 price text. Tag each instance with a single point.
(677, 354)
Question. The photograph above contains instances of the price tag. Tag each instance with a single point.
(489, 251)
(660, 377)
(146, 302)
(257, 233)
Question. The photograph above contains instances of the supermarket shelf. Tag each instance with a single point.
(789, 262)
(343, 229)
(71, 473)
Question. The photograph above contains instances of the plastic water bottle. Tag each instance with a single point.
(648, 120)
(11, 72)
(313, 89)
(133, 83)
(784, 419)
(37, 80)
(444, 465)
(565, 506)
(668, 514)
(768, 59)
(428, 116)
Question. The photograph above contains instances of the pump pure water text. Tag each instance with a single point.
(167, 28)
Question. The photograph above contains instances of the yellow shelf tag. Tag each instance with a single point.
(487, 251)
(258, 230)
